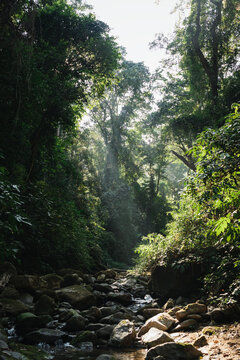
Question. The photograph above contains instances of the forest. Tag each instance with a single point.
(104, 164)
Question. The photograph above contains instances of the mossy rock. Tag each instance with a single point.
(84, 336)
(210, 330)
(25, 352)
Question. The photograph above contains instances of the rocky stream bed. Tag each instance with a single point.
(110, 315)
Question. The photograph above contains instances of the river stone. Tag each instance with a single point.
(83, 337)
(3, 345)
(173, 311)
(156, 337)
(10, 293)
(186, 324)
(173, 351)
(109, 310)
(45, 305)
(75, 323)
(94, 313)
(27, 322)
(71, 279)
(200, 341)
(194, 308)
(53, 281)
(162, 321)
(123, 334)
(29, 283)
(13, 307)
(105, 357)
(169, 304)
(48, 336)
(121, 297)
(113, 319)
(150, 312)
(77, 295)
(103, 287)
(105, 332)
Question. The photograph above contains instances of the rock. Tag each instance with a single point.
(121, 297)
(169, 304)
(84, 336)
(186, 324)
(105, 357)
(94, 327)
(26, 298)
(3, 345)
(156, 337)
(109, 273)
(210, 330)
(162, 321)
(48, 336)
(200, 341)
(75, 323)
(195, 317)
(194, 308)
(13, 307)
(101, 278)
(7, 270)
(71, 279)
(123, 334)
(10, 293)
(150, 312)
(173, 351)
(89, 279)
(77, 295)
(173, 311)
(105, 331)
(45, 305)
(109, 310)
(27, 322)
(28, 283)
(94, 313)
(67, 271)
(53, 281)
(168, 281)
(114, 318)
(103, 287)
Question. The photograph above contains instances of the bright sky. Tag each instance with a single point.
(135, 23)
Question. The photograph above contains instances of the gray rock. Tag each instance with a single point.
(3, 345)
(194, 308)
(27, 322)
(123, 334)
(150, 312)
(45, 305)
(105, 357)
(13, 307)
(105, 332)
(173, 351)
(48, 336)
(156, 337)
(162, 321)
(53, 281)
(121, 297)
(77, 295)
(75, 323)
(186, 324)
(201, 341)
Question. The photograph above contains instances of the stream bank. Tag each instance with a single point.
(70, 316)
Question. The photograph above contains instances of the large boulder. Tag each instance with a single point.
(162, 321)
(123, 334)
(77, 295)
(173, 351)
(45, 305)
(167, 281)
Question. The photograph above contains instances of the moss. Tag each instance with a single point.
(210, 330)
(29, 352)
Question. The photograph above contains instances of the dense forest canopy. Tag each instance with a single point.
(155, 164)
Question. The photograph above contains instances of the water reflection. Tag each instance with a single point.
(118, 355)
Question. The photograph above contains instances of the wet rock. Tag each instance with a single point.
(77, 295)
(27, 322)
(45, 305)
(121, 297)
(114, 318)
(186, 324)
(48, 336)
(200, 341)
(173, 351)
(109, 310)
(75, 323)
(53, 281)
(105, 357)
(105, 331)
(162, 321)
(84, 336)
(123, 334)
(194, 308)
(156, 337)
(3, 345)
(13, 307)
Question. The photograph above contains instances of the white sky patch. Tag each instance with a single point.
(135, 23)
